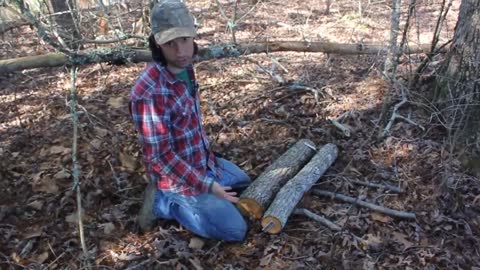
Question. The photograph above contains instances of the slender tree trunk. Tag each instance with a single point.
(66, 27)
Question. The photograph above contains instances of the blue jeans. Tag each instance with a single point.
(206, 214)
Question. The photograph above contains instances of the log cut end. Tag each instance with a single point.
(250, 208)
(271, 225)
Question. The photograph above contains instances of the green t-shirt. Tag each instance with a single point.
(184, 77)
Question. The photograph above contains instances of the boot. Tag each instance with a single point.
(146, 218)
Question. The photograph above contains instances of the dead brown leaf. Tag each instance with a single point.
(128, 161)
(380, 217)
(41, 258)
(402, 238)
(58, 149)
(116, 102)
(44, 184)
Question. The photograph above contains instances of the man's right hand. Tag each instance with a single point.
(222, 192)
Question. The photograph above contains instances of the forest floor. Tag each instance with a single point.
(251, 119)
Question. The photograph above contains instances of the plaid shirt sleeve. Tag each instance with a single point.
(151, 115)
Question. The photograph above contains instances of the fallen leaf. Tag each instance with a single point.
(41, 258)
(196, 263)
(58, 149)
(402, 238)
(101, 132)
(266, 260)
(45, 184)
(73, 217)
(37, 205)
(116, 103)
(380, 217)
(96, 143)
(108, 228)
(196, 243)
(62, 174)
(36, 232)
(372, 242)
(128, 161)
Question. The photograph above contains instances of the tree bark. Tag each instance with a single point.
(123, 55)
(459, 86)
(256, 198)
(289, 195)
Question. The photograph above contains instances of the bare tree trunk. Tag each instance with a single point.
(459, 85)
(65, 20)
(394, 29)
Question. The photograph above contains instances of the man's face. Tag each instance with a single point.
(178, 52)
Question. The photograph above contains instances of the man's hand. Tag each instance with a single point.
(222, 192)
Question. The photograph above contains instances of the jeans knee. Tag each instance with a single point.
(236, 233)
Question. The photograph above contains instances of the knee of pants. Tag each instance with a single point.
(228, 227)
(240, 233)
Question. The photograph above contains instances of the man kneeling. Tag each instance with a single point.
(188, 182)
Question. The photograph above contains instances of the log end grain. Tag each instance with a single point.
(276, 226)
(250, 208)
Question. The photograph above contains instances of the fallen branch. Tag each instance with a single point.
(75, 170)
(382, 186)
(343, 128)
(324, 221)
(124, 55)
(396, 115)
(378, 208)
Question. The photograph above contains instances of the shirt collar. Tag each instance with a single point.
(170, 77)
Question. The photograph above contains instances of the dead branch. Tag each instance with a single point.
(75, 171)
(378, 208)
(396, 115)
(124, 54)
(343, 128)
(324, 221)
(374, 185)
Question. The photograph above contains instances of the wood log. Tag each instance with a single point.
(133, 55)
(256, 198)
(291, 193)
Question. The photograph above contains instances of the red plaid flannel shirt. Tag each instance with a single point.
(167, 118)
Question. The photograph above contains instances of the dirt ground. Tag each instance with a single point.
(251, 119)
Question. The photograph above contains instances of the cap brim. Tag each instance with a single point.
(173, 33)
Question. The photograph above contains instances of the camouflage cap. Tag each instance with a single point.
(170, 19)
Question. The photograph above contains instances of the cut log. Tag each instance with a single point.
(256, 198)
(291, 193)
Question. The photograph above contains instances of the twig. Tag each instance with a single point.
(214, 247)
(40, 29)
(139, 265)
(75, 171)
(324, 221)
(378, 208)
(395, 115)
(336, 122)
(106, 41)
(382, 186)
(327, 223)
